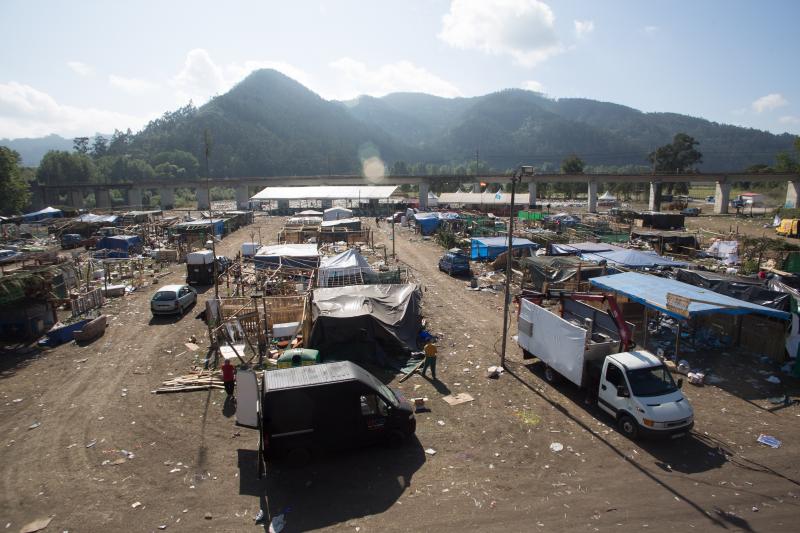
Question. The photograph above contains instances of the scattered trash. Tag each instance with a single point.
(683, 366)
(774, 379)
(277, 524)
(35, 425)
(528, 418)
(696, 378)
(440, 422)
(430, 451)
(91, 443)
(164, 526)
(260, 516)
(136, 504)
(778, 400)
(419, 405)
(769, 440)
(556, 447)
(494, 372)
(17, 400)
(456, 399)
(37, 525)
(208, 516)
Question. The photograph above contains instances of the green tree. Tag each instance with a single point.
(81, 145)
(678, 156)
(99, 147)
(57, 168)
(572, 165)
(186, 163)
(14, 190)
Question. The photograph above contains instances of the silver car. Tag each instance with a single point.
(173, 299)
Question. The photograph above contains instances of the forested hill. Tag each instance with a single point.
(32, 150)
(513, 126)
(269, 124)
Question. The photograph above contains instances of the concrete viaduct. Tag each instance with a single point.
(44, 195)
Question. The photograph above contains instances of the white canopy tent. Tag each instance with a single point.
(347, 266)
(324, 192)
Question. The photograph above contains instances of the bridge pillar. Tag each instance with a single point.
(167, 197)
(135, 197)
(722, 195)
(655, 196)
(531, 194)
(283, 206)
(242, 197)
(102, 198)
(76, 198)
(51, 197)
(591, 193)
(325, 204)
(202, 198)
(792, 194)
(424, 188)
(38, 197)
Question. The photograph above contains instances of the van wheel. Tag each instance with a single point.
(395, 438)
(550, 375)
(628, 427)
(299, 456)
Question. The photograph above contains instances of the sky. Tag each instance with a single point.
(76, 68)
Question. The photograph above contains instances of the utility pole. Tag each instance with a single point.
(521, 170)
(393, 256)
(206, 151)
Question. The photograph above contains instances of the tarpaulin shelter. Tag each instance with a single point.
(428, 222)
(47, 212)
(570, 273)
(488, 248)
(346, 268)
(205, 225)
(349, 223)
(337, 213)
(119, 245)
(375, 324)
(633, 259)
(651, 291)
(309, 213)
(91, 218)
(305, 256)
(751, 290)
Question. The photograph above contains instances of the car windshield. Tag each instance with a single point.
(164, 296)
(654, 381)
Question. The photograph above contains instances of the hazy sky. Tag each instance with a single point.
(79, 67)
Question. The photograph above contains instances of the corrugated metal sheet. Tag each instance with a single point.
(305, 376)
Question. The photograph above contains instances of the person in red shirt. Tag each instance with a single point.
(228, 377)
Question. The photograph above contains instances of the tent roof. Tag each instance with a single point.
(652, 291)
(503, 241)
(288, 250)
(485, 198)
(386, 303)
(309, 213)
(633, 259)
(340, 222)
(45, 211)
(347, 259)
(92, 218)
(607, 196)
(339, 192)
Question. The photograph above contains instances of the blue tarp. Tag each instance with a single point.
(632, 259)
(120, 245)
(428, 222)
(47, 212)
(652, 291)
(487, 248)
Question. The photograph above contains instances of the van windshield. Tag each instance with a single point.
(654, 381)
(387, 393)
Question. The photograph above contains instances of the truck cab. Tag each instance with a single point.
(639, 392)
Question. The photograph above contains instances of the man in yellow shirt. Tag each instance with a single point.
(430, 359)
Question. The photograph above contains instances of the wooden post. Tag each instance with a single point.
(644, 330)
(678, 341)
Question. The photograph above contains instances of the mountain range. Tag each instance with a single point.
(269, 124)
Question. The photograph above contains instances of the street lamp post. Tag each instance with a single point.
(522, 170)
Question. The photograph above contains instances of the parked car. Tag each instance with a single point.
(454, 262)
(8, 256)
(709, 199)
(691, 211)
(173, 299)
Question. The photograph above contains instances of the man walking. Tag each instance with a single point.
(430, 359)
(228, 377)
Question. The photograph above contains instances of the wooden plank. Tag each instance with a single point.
(412, 371)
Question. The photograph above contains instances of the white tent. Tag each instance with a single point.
(336, 213)
(346, 268)
(433, 200)
(607, 196)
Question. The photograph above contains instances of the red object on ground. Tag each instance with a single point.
(227, 372)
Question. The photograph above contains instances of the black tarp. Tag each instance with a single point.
(373, 324)
(751, 290)
(559, 269)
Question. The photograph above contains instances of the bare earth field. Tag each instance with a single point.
(190, 468)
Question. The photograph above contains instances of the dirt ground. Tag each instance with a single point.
(187, 467)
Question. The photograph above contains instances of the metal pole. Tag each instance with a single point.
(207, 142)
(393, 257)
(508, 269)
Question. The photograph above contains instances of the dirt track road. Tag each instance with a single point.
(493, 469)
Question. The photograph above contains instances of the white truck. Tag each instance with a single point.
(592, 350)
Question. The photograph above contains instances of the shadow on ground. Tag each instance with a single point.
(332, 488)
(16, 357)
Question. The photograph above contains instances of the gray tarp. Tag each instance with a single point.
(751, 290)
(366, 323)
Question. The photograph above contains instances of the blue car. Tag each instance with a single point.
(454, 262)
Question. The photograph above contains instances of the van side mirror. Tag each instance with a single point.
(680, 383)
(622, 391)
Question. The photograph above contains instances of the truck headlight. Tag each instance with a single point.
(647, 422)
